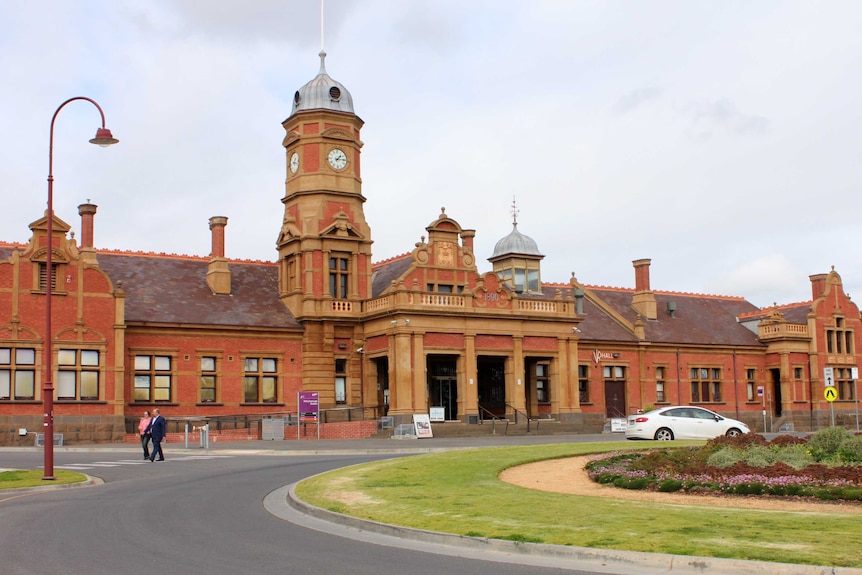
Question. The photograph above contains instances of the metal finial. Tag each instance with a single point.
(514, 212)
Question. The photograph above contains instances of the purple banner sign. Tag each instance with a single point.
(309, 405)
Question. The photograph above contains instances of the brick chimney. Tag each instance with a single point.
(643, 299)
(87, 212)
(218, 273)
(818, 285)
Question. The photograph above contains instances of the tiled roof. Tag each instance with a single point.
(173, 289)
(698, 319)
(793, 312)
(387, 271)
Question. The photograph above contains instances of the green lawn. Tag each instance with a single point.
(20, 478)
(458, 492)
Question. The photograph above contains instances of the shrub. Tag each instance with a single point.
(850, 450)
(743, 441)
(669, 485)
(725, 457)
(637, 483)
(788, 441)
(825, 443)
(760, 456)
(795, 455)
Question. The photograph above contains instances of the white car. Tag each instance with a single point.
(682, 422)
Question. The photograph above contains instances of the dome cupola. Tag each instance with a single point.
(322, 92)
(517, 260)
(516, 243)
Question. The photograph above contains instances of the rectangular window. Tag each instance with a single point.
(78, 375)
(260, 381)
(543, 383)
(17, 373)
(844, 383)
(705, 385)
(533, 280)
(584, 383)
(614, 372)
(153, 377)
(750, 384)
(660, 396)
(338, 276)
(839, 340)
(520, 280)
(208, 379)
(340, 381)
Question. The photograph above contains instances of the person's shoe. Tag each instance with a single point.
(160, 459)
(151, 459)
(145, 457)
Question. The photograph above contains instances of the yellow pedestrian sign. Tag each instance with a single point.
(830, 394)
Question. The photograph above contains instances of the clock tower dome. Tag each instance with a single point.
(324, 246)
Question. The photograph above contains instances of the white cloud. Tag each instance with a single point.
(720, 140)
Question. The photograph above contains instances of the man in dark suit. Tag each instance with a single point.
(157, 429)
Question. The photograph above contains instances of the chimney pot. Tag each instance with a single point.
(87, 212)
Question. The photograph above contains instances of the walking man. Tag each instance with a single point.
(158, 429)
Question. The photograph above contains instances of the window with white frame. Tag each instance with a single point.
(78, 374)
(260, 380)
(208, 379)
(17, 373)
(153, 377)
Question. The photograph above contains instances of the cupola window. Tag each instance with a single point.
(334, 93)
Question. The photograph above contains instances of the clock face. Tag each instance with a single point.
(337, 159)
(294, 162)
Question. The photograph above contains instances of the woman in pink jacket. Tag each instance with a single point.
(143, 429)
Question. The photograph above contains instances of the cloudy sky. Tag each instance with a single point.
(720, 139)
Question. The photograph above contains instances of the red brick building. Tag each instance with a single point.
(212, 339)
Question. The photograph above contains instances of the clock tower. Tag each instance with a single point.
(324, 246)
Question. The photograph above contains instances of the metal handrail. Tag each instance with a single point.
(527, 417)
(494, 420)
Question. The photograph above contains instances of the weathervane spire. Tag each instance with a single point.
(514, 212)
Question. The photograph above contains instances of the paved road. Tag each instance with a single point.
(195, 513)
(224, 511)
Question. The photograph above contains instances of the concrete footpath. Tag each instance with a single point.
(284, 504)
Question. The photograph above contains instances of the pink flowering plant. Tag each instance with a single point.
(826, 465)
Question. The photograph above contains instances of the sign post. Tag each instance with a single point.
(763, 397)
(854, 373)
(830, 394)
(308, 403)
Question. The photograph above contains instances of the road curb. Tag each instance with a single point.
(603, 560)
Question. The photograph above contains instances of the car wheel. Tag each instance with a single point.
(733, 432)
(664, 434)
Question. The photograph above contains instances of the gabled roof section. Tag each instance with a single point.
(792, 312)
(387, 271)
(697, 319)
(173, 289)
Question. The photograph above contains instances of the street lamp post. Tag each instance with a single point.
(103, 138)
